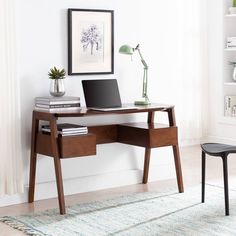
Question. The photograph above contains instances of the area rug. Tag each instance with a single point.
(151, 213)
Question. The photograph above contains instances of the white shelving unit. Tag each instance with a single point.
(229, 55)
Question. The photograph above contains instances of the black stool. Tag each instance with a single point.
(221, 150)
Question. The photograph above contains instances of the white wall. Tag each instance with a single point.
(42, 43)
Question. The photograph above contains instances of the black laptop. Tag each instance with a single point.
(103, 95)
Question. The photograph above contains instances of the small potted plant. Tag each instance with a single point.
(57, 76)
(232, 10)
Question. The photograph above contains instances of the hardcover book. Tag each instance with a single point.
(230, 105)
(58, 109)
(67, 127)
(49, 106)
(57, 100)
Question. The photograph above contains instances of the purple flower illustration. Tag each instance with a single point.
(91, 37)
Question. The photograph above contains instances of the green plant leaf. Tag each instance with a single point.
(55, 73)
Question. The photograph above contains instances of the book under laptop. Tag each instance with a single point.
(103, 95)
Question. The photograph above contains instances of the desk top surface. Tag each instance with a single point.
(83, 111)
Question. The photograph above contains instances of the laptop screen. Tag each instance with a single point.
(101, 93)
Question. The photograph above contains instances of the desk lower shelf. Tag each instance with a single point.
(139, 134)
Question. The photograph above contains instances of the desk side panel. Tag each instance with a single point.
(164, 137)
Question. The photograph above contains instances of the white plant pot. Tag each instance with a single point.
(232, 10)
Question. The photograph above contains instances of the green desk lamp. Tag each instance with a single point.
(126, 49)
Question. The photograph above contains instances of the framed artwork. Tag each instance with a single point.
(90, 41)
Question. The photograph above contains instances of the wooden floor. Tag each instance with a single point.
(191, 167)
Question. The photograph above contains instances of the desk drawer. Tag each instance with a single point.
(147, 135)
(69, 146)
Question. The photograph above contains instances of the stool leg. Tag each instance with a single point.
(203, 175)
(226, 189)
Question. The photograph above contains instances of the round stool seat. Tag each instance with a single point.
(217, 149)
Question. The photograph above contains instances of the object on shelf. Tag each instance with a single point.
(57, 104)
(231, 42)
(232, 10)
(66, 129)
(234, 69)
(57, 76)
(230, 105)
(57, 100)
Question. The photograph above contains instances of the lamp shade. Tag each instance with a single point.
(126, 49)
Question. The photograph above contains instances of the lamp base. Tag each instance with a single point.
(142, 103)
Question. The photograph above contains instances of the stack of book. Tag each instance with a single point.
(230, 105)
(231, 42)
(66, 129)
(57, 104)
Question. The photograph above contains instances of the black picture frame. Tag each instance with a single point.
(90, 41)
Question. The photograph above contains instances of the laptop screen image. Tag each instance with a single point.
(101, 93)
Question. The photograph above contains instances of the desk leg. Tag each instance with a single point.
(146, 165)
(172, 122)
(60, 191)
(57, 165)
(178, 168)
(33, 159)
(150, 121)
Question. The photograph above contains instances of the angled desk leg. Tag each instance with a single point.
(147, 152)
(57, 161)
(172, 122)
(33, 158)
(57, 165)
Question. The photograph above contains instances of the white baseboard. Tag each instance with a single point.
(189, 142)
(92, 183)
(216, 139)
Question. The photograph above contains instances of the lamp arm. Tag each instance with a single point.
(142, 60)
(145, 75)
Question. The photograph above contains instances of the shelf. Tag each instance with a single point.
(230, 16)
(230, 83)
(230, 49)
(229, 120)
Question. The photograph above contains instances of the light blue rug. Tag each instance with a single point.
(150, 213)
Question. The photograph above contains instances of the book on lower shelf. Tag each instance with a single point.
(230, 106)
(57, 104)
(66, 129)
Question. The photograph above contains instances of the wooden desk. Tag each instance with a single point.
(148, 135)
